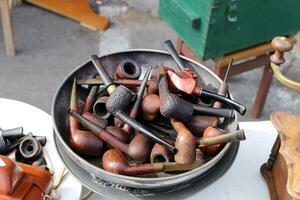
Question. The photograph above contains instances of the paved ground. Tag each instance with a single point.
(50, 46)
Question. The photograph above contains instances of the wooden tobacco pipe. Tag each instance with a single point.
(150, 107)
(152, 84)
(160, 154)
(138, 149)
(179, 82)
(83, 142)
(88, 104)
(172, 106)
(198, 123)
(99, 108)
(128, 69)
(114, 161)
(119, 99)
(213, 139)
(185, 143)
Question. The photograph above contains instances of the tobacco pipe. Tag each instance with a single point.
(185, 143)
(160, 154)
(99, 108)
(198, 123)
(96, 119)
(172, 106)
(152, 84)
(150, 107)
(128, 69)
(182, 83)
(139, 97)
(114, 161)
(119, 99)
(214, 139)
(30, 148)
(138, 149)
(9, 133)
(83, 142)
(88, 104)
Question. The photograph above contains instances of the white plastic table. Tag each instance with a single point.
(242, 181)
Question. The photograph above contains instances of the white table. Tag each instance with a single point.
(242, 181)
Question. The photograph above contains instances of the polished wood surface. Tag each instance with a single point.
(282, 171)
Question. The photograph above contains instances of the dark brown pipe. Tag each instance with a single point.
(185, 143)
(172, 106)
(114, 161)
(83, 142)
(99, 108)
(198, 123)
(88, 104)
(128, 69)
(160, 154)
(179, 81)
(152, 84)
(214, 139)
(137, 149)
(150, 107)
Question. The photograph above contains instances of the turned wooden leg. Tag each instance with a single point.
(7, 28)
(262, 92)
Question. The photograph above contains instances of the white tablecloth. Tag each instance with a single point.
(242, 181)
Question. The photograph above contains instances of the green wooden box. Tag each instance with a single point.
(213, 28)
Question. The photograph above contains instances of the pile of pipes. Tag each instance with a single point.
(173, 126)
(25, 148)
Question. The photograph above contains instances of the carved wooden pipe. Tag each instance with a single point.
(115, 162)
(137, 149)
(172, 106)
(180, 82)
(152, 84)
(198, 123)
(120, 98)
(88, 104)
(150, 107)
(99, 108)
(128, 69)
(214, 139)
(185, 143)
(160, 154)
(83, 142)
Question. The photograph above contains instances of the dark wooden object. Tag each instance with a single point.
(282, 170)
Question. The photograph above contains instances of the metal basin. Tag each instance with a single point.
(93, 166)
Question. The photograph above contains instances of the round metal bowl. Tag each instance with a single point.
(93, 166)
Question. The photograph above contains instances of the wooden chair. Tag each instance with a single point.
(245, 60)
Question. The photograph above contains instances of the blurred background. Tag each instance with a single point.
(49, 46)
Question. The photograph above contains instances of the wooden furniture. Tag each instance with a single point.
(213, 28)
(244, 60)
(7, 28)
(78, 10)
(282, 170)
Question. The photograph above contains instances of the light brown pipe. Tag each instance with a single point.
(83, 142)
(214, 139)
(115, 162)
(150, 107)
(185, 143)
(152, 84)
(160, 154)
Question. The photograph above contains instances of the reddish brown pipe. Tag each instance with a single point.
(152, 84)
(185, 143)
(128, 69)
(115, 162)
(88, 104)
(150, 107)
(138, 149)
(83, 142)
(160, 154)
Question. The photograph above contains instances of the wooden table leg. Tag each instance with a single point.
(7, 28)
(262, 92)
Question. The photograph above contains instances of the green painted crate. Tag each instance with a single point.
(213, 28)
